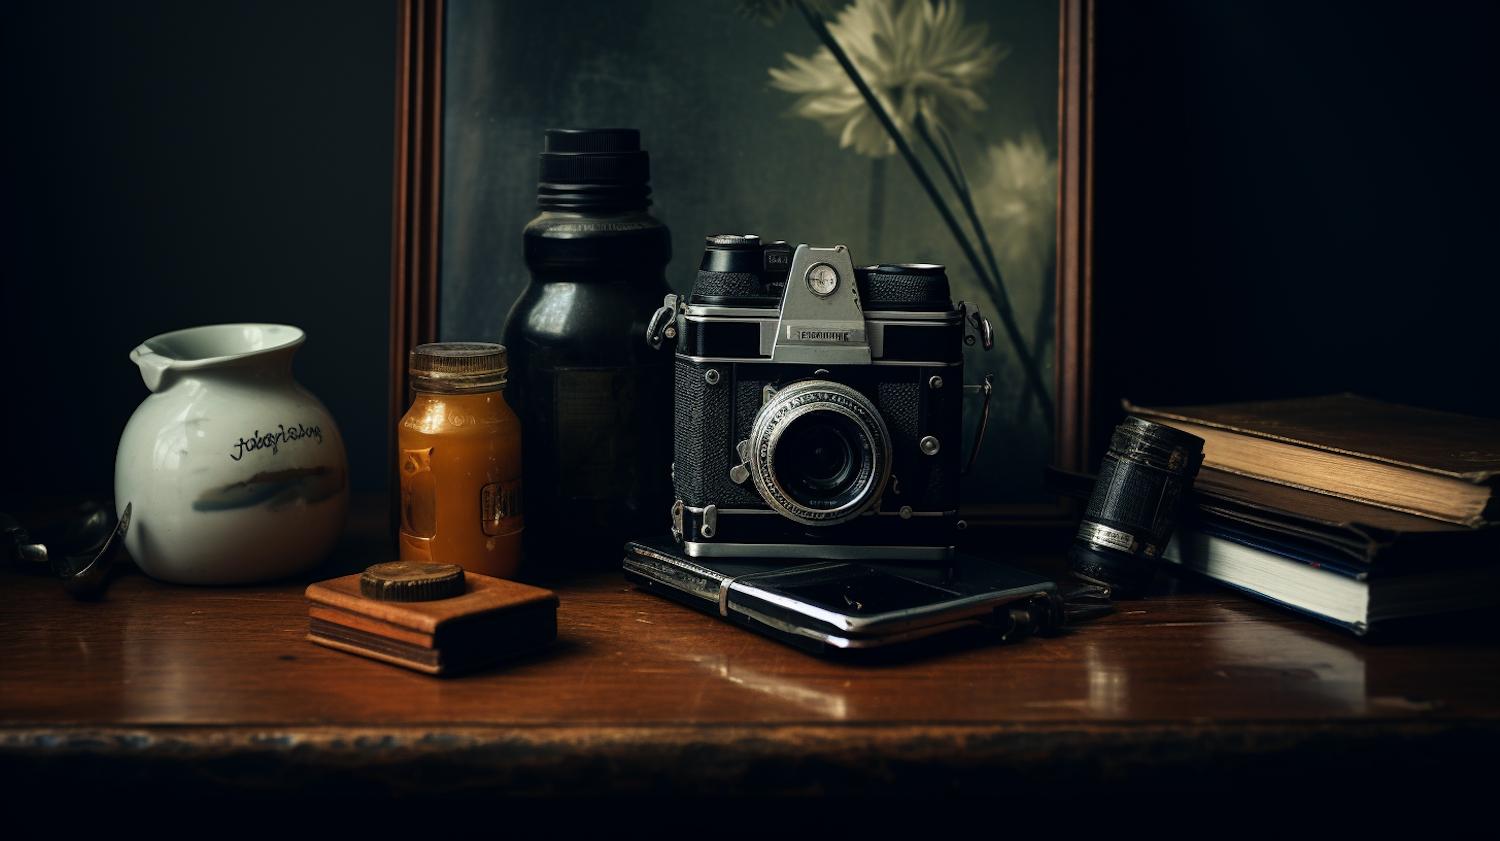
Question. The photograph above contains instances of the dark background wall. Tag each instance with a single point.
(1296, 198)
(1292, 199)
(175, 164)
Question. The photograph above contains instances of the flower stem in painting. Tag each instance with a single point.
(992, 281)
(955, 175)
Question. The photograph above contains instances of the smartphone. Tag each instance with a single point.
(827, 606)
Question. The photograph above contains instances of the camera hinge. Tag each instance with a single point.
(664, 323)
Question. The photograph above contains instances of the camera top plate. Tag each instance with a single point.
(821, 322)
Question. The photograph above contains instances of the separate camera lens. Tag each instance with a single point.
(1148, 470)
(820, 453)
(819, 459)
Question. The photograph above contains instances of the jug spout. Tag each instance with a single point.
(225, 349)
(156, 369)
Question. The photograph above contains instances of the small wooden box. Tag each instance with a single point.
(493, 619)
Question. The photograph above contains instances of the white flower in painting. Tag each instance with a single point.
(918, 56)
(1017, 201)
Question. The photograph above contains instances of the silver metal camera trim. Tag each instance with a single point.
(708, 312)
(907, 362)
(1101, 536)
(839, 552)
(793, 402)
(769, 321)
(807, 277)
(818, 328)
(719, 312)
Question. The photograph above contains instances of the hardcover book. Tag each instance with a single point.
(1418, 461)
(1356, 532)
(1323, 583)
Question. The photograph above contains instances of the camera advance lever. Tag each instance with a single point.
(973, 318)
(663, 324)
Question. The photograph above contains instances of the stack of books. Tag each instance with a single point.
(1355, 511)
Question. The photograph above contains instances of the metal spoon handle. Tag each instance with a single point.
(83, 576)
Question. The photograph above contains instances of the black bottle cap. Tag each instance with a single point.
(412, 581)
(592, 140)
(599, 169)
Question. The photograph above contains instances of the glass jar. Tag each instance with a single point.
(460, 455)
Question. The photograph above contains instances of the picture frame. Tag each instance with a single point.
(425, 103)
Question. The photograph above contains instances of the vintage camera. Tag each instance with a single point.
(818, 406)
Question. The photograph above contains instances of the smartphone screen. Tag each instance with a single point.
(865, 592)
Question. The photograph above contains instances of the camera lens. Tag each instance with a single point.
(1129, 519)
(820, 452)
(819, 458)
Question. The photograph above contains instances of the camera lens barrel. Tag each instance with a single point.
(1142, 479)
(820, 453)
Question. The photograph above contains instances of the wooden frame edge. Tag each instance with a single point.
(1074, 352)
(416, 224)
(1075, 236)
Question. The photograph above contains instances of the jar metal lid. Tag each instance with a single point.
(458, 366)
(412, 581)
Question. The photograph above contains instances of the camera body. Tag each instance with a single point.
(817, 406)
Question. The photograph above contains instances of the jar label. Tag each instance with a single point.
(418, 494)
(500, 507)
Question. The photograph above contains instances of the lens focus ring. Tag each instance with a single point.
(818, 403)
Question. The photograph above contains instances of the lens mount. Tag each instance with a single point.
(820, 453)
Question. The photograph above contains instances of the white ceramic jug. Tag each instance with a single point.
(236, 473)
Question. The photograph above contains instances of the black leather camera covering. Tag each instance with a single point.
(902, 342)
(890, 288)
(719, 286)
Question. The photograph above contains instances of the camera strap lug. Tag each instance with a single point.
(663, 324)
(984, 416)
(677, 521)
(975, 321)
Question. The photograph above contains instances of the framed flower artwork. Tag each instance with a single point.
(936, 131)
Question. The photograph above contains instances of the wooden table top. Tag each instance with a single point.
(210, 686)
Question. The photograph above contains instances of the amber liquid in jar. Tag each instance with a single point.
(460, 464)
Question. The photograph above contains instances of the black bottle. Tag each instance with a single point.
(595, 399)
